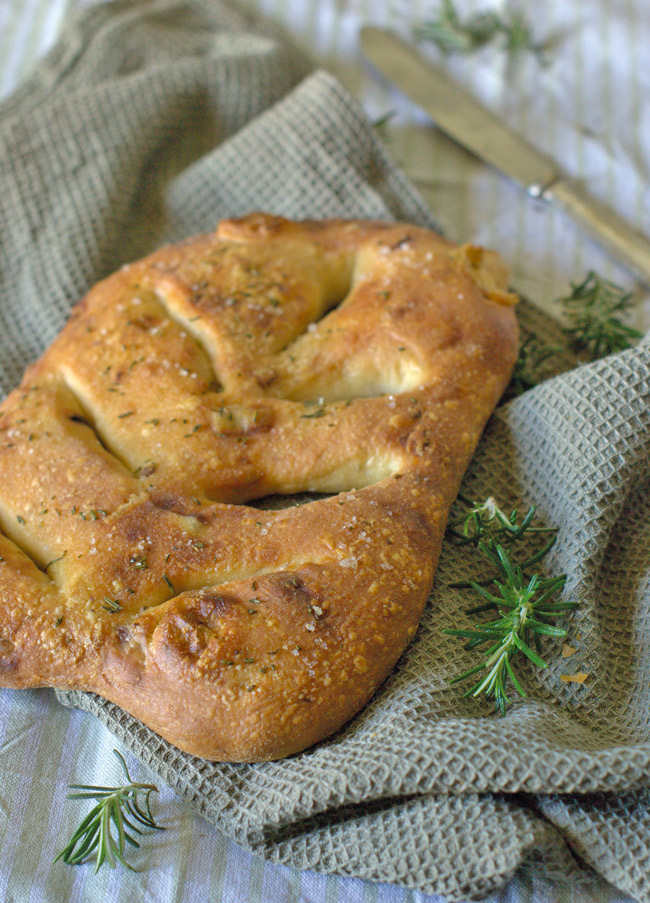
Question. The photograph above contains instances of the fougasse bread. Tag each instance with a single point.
(139, 558)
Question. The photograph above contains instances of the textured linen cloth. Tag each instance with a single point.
(148, 123)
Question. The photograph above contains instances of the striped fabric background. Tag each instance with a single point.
(586, 108)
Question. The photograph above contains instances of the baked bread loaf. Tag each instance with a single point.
(358, 360)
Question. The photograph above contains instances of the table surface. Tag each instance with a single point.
(584, 108)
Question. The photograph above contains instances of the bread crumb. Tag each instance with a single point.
(578, 678)
(568, 651)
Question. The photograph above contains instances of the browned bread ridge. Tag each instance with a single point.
(273, 357)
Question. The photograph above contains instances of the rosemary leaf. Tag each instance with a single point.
(381, 124)
(112, 605)
(517, 33)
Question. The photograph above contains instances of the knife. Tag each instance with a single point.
(462, 118)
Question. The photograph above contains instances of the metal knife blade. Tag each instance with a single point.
(461, 117)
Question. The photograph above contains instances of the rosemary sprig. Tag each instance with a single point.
(592, 312)
(118, 808)
(451, 34)
(525, 608)
(523, 601)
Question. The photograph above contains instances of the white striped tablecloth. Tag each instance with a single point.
(588, 109)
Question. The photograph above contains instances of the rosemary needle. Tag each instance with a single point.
(380, 124)
(118, 809)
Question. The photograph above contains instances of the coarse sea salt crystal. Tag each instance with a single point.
(348, 562)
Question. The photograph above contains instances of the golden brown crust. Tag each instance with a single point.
(273, 357)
